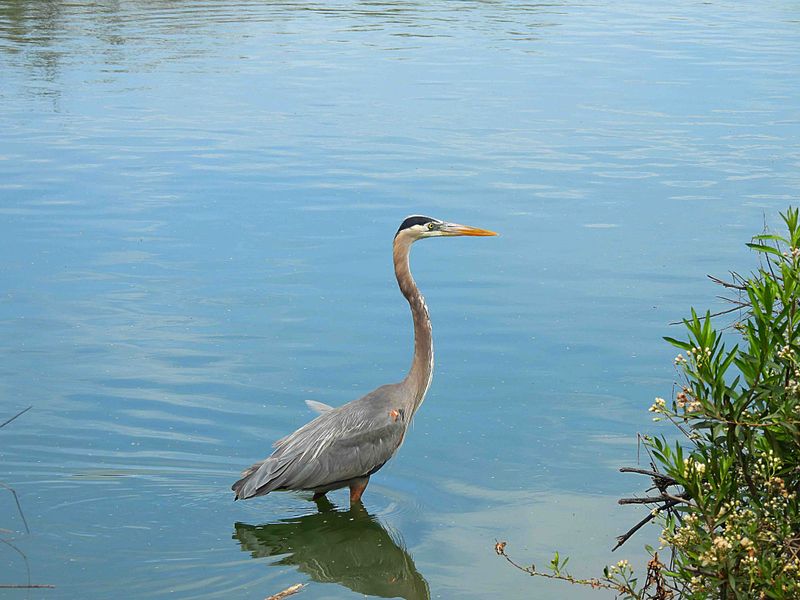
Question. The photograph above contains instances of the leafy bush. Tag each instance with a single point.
(737, 533)
(728, 487)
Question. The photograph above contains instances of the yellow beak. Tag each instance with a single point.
(456, 229)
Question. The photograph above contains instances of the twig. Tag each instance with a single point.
(661, 483)
(22, 554)
(20, 413)
(682, 497)
(29, 585)
(728, 284)
(291, 590)
(500, 549)
(19, 506)
(8, 487)
(644, 472)
(738, 303)
(739, 306)
(627, 535)
(646, 500)
(732, 285)
(661, 477)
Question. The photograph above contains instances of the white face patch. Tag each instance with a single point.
(427, 231)
(418, 232)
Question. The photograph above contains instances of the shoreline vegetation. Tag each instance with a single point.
(724, 482)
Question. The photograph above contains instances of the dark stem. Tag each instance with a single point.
(627, 535)
(19, 414)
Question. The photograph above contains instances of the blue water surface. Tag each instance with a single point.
(197, 202)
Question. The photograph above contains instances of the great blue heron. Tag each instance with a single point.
(343, 446)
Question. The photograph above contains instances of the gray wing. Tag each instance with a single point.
(341, 444)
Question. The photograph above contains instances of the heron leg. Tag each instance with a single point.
(357, 487)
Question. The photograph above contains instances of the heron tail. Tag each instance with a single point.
(260, 479)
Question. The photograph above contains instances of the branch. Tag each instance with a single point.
(728, 284)
(646, 500)
(19, 414)
(654, 474)
(627, 535)
(29, 585)
(8, 487)
(19, 506)
(738, 303)
(500, 549)
(661, 482)
(739, 306)
(22, 554)
(732, 285)
(290, 591)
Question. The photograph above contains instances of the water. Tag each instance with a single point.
(197, 204)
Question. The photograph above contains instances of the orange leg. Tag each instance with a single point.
(357, 487)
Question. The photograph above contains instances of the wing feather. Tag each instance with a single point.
(318, 407)
(340, 444)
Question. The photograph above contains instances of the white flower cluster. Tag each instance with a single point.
(691, 464)
(659, 406)
(620, 567)
(688, 404)
(793, 386)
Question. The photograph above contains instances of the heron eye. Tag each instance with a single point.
(431, 226)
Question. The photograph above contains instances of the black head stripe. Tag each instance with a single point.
(413, 220)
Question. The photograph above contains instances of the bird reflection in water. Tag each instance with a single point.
(348, 547)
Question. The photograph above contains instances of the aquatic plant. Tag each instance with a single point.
(726, 480)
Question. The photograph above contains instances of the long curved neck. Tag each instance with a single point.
(419, 376)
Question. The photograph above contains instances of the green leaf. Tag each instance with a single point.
(768, 237)
(678, 343)
(764, 249)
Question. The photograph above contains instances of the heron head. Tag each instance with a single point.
(417, 227)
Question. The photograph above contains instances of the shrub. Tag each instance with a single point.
(728, 485)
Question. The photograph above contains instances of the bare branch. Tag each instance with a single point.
(728, 284)
(661, 482)
(19, 506)
(739, 306)
(658, 478)
(627, 535)
(22, 554)
(20, 413)
(646, 500)
(290, 591)
(738, 303)
(29, 585)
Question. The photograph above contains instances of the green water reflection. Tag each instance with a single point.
(349, 547)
